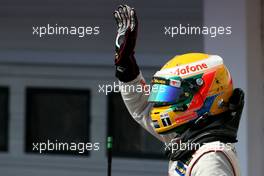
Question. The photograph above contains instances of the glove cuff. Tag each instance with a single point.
(128, 70)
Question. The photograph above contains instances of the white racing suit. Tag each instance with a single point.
(211, 159)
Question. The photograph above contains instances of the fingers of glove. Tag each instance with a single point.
(118, 19)
(127, 10)
(133, 19)
(122, 15)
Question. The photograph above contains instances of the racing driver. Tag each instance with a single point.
(192, 102)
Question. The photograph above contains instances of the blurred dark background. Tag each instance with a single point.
(49, 86)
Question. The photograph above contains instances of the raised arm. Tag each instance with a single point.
(133, 87)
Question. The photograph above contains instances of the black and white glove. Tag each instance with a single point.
(126, 66)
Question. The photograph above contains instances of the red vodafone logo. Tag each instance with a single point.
(189, 69)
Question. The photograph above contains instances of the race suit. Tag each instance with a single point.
(211, 159)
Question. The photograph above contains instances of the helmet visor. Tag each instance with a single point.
(161, 93)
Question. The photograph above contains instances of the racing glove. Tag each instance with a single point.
(125, 62)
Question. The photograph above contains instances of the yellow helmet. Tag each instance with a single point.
(188, 87)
